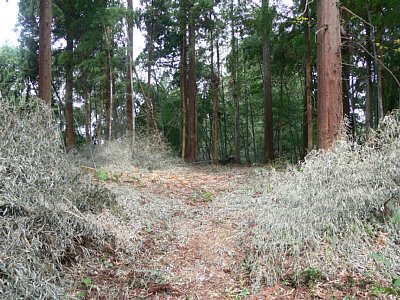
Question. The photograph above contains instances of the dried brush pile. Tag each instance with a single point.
(42, 197)
(327, 215)
(150, 152)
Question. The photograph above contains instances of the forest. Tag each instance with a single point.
(205, 61)
(249, 150)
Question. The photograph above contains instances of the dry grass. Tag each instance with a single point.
(42, 197)
(150, 152)
(326, 214)
(323, 215)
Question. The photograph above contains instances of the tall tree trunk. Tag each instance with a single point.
(268, 126)
(129, 82)
(108, 101)
(280, 143)
(346, 77)
(235, 95)
(329, 69)
(192, 86)
(253, 133)
(224, 147)
(381, 78)
(215, 83)
(346, 58)
(375, 38)
(111, 96)
(183, 82)
(246, 112)
(308, 131)
(88, 121)
(69, 107)
(45, 51)
(380, 60)
(115, 103)
(393, 95)
(109, 83)
(100, 119)
(149, 64)
(369, 84)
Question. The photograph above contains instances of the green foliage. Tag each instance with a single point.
(393, 289)
(12, 84)
(381, 259)
(237, 294)
(208, 196)
(310, 276)
(102, 175)
(87, 281)
(87, 21)
(396, 217)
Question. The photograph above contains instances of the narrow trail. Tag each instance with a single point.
(179, 235)
(205, 260)
(181, 242)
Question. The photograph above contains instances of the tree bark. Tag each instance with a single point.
(246, 112)
(109, 82)
(215, 83)
(308, 131)
(108, 101)
(369, 85)
(129, 81)
(192, 87)
(100, 119)
(268, 125)
(220, 79)
(88, 120)
(348, 111)
(183, 82)
(253, 133)
(149, 63)
(329, 69)
(280, 133)
(235, 95)
(45, 51)
(69, 107)
(375, 38)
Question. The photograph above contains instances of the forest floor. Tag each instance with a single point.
(196, 251)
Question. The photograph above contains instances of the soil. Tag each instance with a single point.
(202, 255)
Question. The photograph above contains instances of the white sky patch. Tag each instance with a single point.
(9, 16)
(288, 2)
(9, 35)
(8, 19)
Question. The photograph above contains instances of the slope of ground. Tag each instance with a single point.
(185, 248)
(190, 242)
(328, 229)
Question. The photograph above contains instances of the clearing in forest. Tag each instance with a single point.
(102, 224)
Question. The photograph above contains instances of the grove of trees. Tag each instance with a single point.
(250, 80)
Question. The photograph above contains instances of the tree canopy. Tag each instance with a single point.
(216, 79)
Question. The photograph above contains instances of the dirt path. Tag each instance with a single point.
(205, 259)
(182, 245)
(179, 236)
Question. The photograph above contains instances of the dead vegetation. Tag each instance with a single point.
(335, 214)
(150, 152)
(42, 200)
(175, 231)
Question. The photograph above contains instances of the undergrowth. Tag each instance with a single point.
(333, 213)
(42, 201)
(149, 152)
